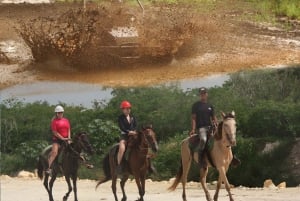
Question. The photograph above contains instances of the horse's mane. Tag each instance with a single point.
(218, 134)
(229, 115)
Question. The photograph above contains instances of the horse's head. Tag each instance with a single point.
(229, 128)
(82, 140)
(150, 137)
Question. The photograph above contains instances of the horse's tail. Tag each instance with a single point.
(40, 168)
(106, 170)
(177, 179)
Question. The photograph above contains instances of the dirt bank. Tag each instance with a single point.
(225, 43)
(13, 189)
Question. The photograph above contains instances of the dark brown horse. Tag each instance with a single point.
(68, 166)
(137, 163)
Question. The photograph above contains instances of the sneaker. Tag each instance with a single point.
(89, 166)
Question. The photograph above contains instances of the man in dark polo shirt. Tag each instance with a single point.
(203, 121)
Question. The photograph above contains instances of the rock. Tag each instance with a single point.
(4, 177)
(25, 174)
(149, 181)
(269, 184)
(172, 180)
(282, 185)
(269, 147)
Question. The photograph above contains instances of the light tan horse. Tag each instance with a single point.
(221, 156)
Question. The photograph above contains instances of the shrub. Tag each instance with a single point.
(29, 151)
(11, 163)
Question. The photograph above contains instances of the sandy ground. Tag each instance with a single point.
(31, 189)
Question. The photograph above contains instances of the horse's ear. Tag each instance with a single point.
(233, 113)
(223, 114)
(150, 126)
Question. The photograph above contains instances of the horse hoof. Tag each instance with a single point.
(65, 198)
(124, 199)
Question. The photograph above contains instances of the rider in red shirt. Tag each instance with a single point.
(61, 130)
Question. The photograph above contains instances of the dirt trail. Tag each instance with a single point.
(14, 189)
(224, 43)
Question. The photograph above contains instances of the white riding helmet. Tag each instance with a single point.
(59, 108)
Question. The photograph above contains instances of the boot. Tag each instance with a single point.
(201, 160)
(235, 161)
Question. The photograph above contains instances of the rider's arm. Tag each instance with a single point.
(213, 117)
(69, 131)
(134, 126)
(69, 134)
(56, 134)
(134, 123)
(215, 120)
(194, 109)
(193, 123)
(121, 126)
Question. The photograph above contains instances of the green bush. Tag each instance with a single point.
(29, 151)
(257, 165)
(167, 160)
(103, 134)
(11, 163)
(273, 119)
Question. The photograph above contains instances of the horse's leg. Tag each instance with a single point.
(47, 186)
(203, 174)
(122, 183)
(51, 186)
(218, 189)
(114, 186)
(143, 183)
(139, 185)
(69, 187)
(74, 179)
(222, 174)
(186, 160)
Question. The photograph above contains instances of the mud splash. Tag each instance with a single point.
(109, 36)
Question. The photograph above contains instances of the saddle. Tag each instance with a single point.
(194, 146)
(59, 157)
(194, 142)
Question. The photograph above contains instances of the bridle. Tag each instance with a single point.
(81, 145)
(147, 140)
(226, 134)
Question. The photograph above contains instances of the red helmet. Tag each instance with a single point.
(125, 104)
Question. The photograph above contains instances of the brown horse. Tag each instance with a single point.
(137, 162)
(69, 164)
(220, 154)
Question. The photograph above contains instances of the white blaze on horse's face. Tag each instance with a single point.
(229, 130)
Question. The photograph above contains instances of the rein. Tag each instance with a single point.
(77, 154)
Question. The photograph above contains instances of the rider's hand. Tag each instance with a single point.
(68, 140)
(191, 132)
(132, 133)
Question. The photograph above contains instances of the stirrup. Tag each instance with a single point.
(89, 166)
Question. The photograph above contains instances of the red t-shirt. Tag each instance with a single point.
(62, 126)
